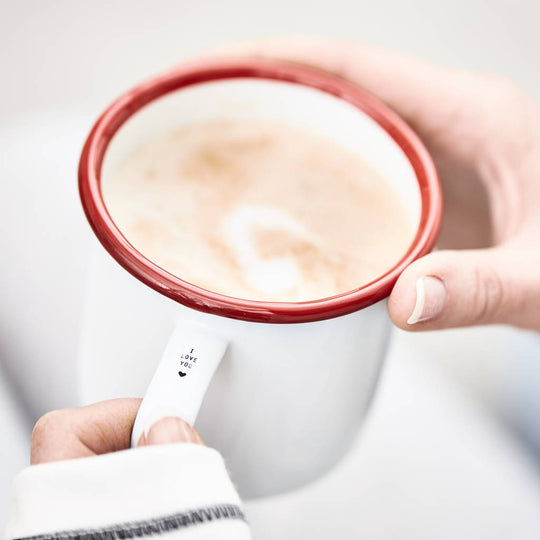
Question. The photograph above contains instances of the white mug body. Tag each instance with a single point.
(286, 401)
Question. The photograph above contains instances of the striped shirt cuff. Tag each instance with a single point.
(176, 491)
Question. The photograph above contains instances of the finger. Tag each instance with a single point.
(80, 432)
(445, 106)
(463, 288)
(170, 430)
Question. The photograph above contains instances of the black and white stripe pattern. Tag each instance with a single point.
(148, 527)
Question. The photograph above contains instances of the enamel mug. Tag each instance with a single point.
(294, 380)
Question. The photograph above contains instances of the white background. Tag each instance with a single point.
(61, 62)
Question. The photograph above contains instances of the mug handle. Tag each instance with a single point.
(185, 370)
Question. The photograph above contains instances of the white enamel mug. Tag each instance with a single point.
(296, 379)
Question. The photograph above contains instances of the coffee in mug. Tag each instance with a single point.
(258, 210)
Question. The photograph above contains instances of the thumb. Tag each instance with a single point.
(461, 288)
(170, 430)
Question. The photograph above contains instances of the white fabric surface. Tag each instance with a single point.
(15, 442)
(429, 464)
(126, 489)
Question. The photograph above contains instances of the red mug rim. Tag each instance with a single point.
(208, 301)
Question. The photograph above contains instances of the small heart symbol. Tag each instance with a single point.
(181, 373)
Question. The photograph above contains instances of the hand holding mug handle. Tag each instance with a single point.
(184, 372)
(98, 429)
(484, 134)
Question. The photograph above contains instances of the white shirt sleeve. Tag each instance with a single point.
(165, 491)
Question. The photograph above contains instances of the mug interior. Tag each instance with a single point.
(254, 89)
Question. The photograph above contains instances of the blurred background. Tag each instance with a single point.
(452, 446)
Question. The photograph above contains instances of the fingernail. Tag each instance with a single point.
(430, 299)
(171, 430)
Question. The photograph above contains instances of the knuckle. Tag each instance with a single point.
(501, 91)
(506, 116)
(48, 424)
(489, 297)
(501, 85)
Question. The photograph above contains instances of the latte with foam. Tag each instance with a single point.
(258, 210)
